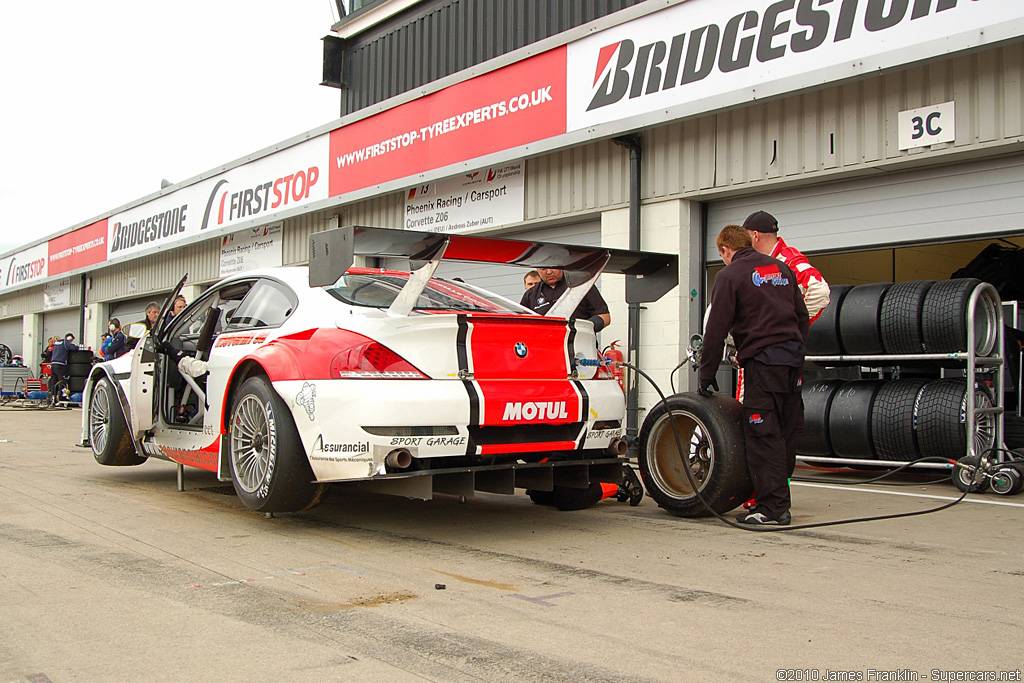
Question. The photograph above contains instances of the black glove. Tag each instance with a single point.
(706, 386)
(168, 350)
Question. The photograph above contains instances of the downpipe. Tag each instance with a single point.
(632, 143)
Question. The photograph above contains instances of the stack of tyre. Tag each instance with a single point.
(79, 366)
(899, 419)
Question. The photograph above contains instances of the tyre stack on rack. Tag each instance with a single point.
(892, 419)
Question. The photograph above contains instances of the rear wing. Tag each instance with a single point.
(331, 253)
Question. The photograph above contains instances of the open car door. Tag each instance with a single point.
(142, 383)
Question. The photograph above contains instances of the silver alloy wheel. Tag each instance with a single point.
(253, 437)
(985, 437)
(667, 467)
(99, 418)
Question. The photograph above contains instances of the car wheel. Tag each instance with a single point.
(269, 468)
(849, 419)
(944, 319)
(860, 319)
(817, 397)
(108, 431)
(941, 417)
(5, 355)
(892, 420)
(823, 336)
(711, 435)
(901, 316)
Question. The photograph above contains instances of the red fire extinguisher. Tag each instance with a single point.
(614, 356)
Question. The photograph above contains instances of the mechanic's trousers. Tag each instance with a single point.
(58, 373)
(774, 412)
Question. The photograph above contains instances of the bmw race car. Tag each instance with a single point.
(287, 379)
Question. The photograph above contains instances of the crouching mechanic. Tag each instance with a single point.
(540, 297)
(758, 298)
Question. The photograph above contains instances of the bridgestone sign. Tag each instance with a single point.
(703, 54)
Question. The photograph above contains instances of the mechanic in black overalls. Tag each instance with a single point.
(758, 299)
(540, 298)
(59, 367)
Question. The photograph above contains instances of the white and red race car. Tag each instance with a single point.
(286, 379)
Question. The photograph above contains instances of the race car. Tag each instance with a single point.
(285, 380)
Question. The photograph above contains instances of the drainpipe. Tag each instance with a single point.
(632, 143)
(81, 314)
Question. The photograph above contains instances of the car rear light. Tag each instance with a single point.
(372, 360)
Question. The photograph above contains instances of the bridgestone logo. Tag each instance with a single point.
(542, 410)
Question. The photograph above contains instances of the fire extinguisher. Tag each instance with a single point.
(614, 357)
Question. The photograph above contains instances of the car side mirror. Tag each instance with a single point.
(134, 330)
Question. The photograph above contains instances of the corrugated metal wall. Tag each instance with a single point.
(20, 302)
(843, 128)
(156, 273)
(434, 40)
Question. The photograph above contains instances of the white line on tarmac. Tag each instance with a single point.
(910, 495)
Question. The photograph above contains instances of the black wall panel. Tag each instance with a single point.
(434, 39)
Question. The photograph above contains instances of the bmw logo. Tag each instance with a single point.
(520, 349)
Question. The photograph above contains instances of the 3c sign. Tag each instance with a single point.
(927, 126)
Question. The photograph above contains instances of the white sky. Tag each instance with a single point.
(101, 100)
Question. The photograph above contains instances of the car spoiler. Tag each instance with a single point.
(331, 253)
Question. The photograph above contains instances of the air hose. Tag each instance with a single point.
(795, 527)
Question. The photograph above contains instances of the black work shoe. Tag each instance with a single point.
(630, 489)
(759, 518)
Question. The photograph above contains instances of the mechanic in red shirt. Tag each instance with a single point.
(758, 299)
(764, 237)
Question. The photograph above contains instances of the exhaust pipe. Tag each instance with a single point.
(617, 447)
(398, 459)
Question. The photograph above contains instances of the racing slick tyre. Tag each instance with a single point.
(849, 419)
(941, 417)
(269, 468)
(860, 319)
(892, 420)
(817, 396)
(964, 481)
(944, 320)
(108, 431)
(711, 435)
(823, 336)
(901, 316)
(1013, 430)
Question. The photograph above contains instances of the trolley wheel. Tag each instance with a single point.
(710, 433)
(1007, 480)
(964, 480)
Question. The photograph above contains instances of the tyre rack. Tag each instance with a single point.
(975, 365)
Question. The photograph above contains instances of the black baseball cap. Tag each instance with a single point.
(761, 221)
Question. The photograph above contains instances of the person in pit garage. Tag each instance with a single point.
(531, 279)
(539, 298)
(152, 313)
(543, 295)
(118, 344)
(59, 367)
(758, 298)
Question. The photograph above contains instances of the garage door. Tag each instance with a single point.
(930, 205)
(131, 310)
(59, 323)
(10, 335)
(508, 280)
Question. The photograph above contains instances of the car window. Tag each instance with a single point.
(380, 289)
(268, 304)
(222, 301)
